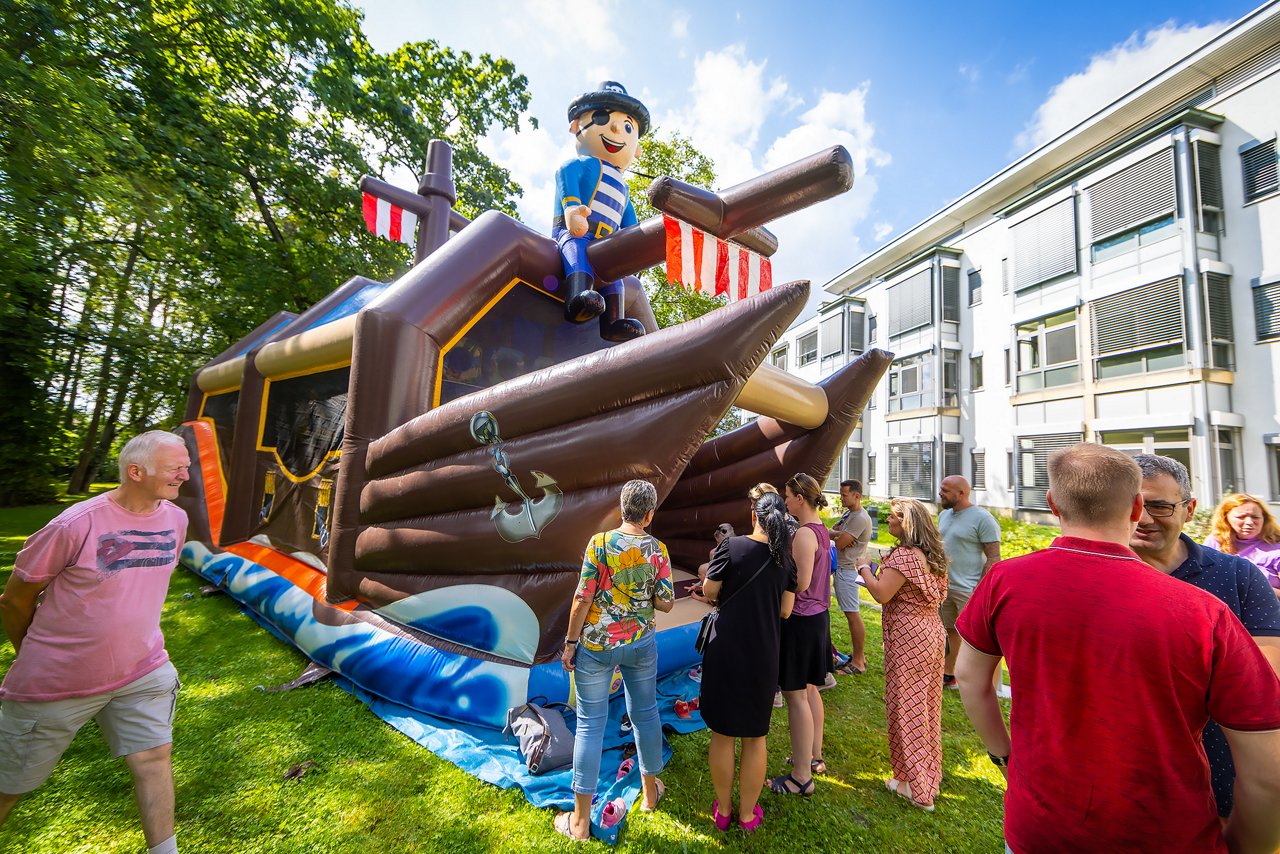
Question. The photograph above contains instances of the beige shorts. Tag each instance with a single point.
(133, 718)
(951, 607)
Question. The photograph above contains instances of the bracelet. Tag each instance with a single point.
(998, 761)
(568, 642)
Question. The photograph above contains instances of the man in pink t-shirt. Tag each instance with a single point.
(1117, 668)
(82, 609)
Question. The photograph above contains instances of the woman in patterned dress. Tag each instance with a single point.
(911, 584)
(626, 575)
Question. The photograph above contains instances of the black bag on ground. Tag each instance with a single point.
(545, 740)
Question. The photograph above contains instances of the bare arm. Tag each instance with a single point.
(711, 590)
(1271, 649)
(788, 602)
(884, 587)
(992, 552)
(18, 608)
(804, 550)
(1254, 825)
(975, 673)
(577, 618)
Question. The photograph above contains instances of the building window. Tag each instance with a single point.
(1047, 352)
(975, 287)
(1004, 275)
(1033, 467)
(1140, 330)
(950, 377)
(1044, 246)
(975, 373)
(1142, 193)
(1228, 460)
(808, 349)
(1258, 168)
(871, 468)
(911, 303)
(1266, 310)
(911, 470)
(857, 328)
(853, 464)
(831, 336)
(911, 383)
(1173, 442)
(952, 454)
(1008, 366)
(1208, 170)
(1009, 471)
(1143, 235)
(779, 358)
(834, 477)
(950, 293)
(1217, 305)
(978, 469)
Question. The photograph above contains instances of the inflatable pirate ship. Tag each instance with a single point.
(402, 479)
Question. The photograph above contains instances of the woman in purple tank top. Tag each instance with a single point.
(805, 653)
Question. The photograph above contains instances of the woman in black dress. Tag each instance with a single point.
(740, 664)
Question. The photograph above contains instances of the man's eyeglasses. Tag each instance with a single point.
(1163, 509)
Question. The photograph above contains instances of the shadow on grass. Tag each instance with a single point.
(373, 789)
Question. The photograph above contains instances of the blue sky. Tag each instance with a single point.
(930, 98)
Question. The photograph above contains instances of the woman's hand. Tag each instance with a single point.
(566, 657)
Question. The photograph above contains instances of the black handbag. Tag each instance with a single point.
(707, 628)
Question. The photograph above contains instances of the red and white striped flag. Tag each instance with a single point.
(713, 266)
(386, 220)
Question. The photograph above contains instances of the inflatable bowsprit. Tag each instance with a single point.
(401, 481)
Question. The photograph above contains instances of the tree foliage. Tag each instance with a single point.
(173, 173)
(670, 154)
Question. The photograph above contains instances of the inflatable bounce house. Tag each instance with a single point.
(401, 480)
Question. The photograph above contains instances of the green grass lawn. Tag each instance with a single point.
(373, 789)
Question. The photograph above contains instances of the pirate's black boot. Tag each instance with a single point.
(581, 303)
(613, 325)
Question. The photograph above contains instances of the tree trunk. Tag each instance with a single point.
(83, 474)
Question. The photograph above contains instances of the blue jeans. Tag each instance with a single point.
(593, 672)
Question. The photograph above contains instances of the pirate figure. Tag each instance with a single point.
(592, 201)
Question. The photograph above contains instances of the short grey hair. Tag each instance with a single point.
(638, 498)
(1154, 464)
(141, 450)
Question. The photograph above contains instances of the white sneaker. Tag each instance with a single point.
(778, 702)
(829, 683)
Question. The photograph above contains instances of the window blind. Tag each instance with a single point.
(1143, 192)
(1044, 246)
(1146, 316)
(911, 303)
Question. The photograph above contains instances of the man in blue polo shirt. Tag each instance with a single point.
(1159, 541)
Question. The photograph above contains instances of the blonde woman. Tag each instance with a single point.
(911, 584)
(1242, 525)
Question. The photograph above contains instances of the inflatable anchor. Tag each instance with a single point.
(535, 515)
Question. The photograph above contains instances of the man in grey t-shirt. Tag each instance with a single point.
(851, 533)
(971, 537)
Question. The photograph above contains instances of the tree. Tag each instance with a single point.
(172, 174)
(671, 155)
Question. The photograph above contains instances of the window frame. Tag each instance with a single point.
(1038, 343)
(807, 349)
(1255, 153)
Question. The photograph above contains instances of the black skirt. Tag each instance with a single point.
(805, 654)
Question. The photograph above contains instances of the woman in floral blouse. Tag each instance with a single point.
(626, 575)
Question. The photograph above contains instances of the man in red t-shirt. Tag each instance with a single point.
(1118, 667)
(82, 610)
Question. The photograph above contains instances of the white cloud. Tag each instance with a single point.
(1110, 75)
(819, 242)
(680, 25)
(730, 100)
(532, 157)
(882, 231)
(589, 30)
(970, 73)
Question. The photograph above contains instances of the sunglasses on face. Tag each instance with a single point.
(1162, 509)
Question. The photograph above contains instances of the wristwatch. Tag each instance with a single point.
(568, 642)
(998, 761)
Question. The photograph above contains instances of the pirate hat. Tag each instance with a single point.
(611, 96)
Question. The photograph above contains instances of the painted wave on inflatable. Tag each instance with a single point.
(403, 670)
